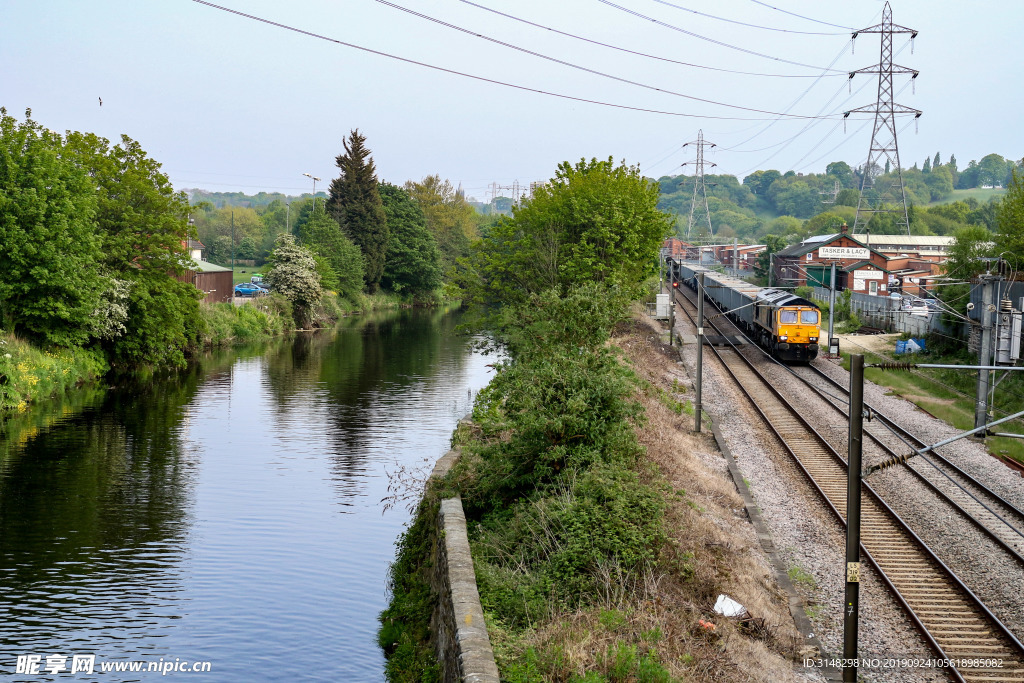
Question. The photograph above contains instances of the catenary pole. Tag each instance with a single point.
(697, 407)
(984, 351)
(851, 608)
(831, 309)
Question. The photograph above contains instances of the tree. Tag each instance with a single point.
(294, 275)
(323, 236)
(773, 245)
(992, 170)
(50, 281)
(356, 205)
(593, 221)
(142, 227)
(936, 162)
(927, 167)
(939, 182)
(1010, 221)
(848, 197)
(823, 224)
(760, 181)
(413, 263)
(448, 216)
(842, 172)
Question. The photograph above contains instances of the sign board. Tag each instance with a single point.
(844, 252)
(867, 275)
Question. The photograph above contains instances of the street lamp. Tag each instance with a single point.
(315, 179)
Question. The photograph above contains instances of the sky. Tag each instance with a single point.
(228, 103)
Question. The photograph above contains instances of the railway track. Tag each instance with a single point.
(951, 619)
(996, 517)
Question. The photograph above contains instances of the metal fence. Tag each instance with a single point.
(885, 313)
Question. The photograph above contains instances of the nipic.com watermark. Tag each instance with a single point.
(87, 664)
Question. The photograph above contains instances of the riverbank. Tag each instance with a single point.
(602, 563)
(29, 374)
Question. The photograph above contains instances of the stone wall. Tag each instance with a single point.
(459, 631)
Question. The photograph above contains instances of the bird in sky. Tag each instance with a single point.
(101, 101)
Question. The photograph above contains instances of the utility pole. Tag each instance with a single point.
(851, 606)
(872, 199)
(832, 341)
(232, 241)
(697, 407)
(988, 307)
(315, 181)
(671, 301)
(699, 187)
(735, 256)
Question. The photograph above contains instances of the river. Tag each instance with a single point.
(229, 514)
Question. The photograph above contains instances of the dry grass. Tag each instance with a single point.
(711, 550)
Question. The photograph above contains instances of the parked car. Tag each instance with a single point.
(248, 289)
(916, 306)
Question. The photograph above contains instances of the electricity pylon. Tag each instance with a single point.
(890, 197)
(698, 182)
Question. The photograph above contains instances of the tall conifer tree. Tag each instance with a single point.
(356, 204)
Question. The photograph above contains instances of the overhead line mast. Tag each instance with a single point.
(892, 198)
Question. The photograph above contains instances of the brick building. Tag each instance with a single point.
(858, 266)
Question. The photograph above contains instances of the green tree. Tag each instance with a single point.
(939, 182)
(823, 224)
(594, 221)
(50, 281)
(356, 205)
(142, 227)
(1010, 222)
(927, 167)
(413, 263)
(294, 275)
(322, 235)
(992, 170)
(848, 197)
(773, 245)
(451, 219)
(842, 172)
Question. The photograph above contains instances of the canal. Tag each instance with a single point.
(230, 514)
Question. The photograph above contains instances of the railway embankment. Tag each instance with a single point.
(603, 529)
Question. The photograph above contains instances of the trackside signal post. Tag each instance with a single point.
(851, 604)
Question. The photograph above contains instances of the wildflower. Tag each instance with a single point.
(706, 625)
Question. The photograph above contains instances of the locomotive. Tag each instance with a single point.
(785, 325)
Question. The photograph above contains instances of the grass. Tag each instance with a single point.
(982, 194)
(29, 374)
(801, 578)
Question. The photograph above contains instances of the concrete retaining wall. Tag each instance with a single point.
(460, 633)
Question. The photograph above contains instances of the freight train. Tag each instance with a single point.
(785, 325)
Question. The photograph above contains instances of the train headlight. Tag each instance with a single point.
(783, 337)
(813, 339)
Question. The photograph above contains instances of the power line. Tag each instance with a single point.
(816, 21)
(742, 23)
(484, 79)
(710, 40)
(571, 65)
(634, 52)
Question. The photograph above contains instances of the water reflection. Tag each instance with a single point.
(199, 517)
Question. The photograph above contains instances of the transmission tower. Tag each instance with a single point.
(887, 197)
(698, 184)
(833, 194)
